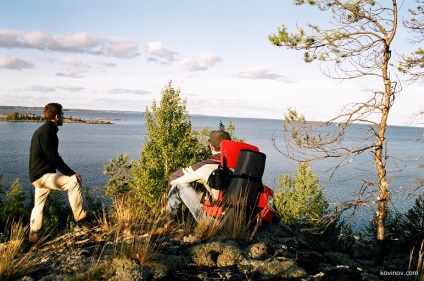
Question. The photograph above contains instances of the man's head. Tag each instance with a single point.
(53, 112)
(216, 137)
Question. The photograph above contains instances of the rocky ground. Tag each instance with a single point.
(273, 254)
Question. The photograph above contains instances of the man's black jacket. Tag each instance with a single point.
(44, 156)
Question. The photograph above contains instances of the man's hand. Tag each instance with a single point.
(79, 179)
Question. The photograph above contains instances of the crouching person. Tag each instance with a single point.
(44, 160)
(181, 190)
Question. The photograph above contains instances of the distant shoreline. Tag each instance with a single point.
(16, 116)
(18, 107)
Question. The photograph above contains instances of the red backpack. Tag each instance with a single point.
(240, 171)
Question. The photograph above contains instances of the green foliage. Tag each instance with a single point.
(170, 144)
(414, 219)
(403, 226)
(357, 29)
(205, 133)
(413, 63)
(16, 116)
(300, 199)
(58, 217)
(230, 129)
(57, 213)
(94, 200)
(120, 173)
(14, 206)
(12, 116)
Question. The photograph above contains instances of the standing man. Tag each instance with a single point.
(181, 190)
(44, 160)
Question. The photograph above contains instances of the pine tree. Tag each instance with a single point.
(299, 198)
(170, 144)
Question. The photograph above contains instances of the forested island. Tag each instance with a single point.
(31, 117)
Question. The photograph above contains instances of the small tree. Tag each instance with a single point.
(205, 133)
(299, 198)
(170, 144)
(12, 116)
(120, 173)
(358, 44)
(14, 205)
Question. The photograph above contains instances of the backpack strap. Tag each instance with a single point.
(247, 177)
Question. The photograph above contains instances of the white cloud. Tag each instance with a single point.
(262, 73)
(158, 53)
(77, 69)
(104, 64)
(71, 74)
(10, 62)
(72, 89)
(128, 91)
(81, 42)
(40, 88)
(45, 89)
(202, 62)
(71, 62)
(74, 68)
(9, 39)
(37, 39)
(124, 49)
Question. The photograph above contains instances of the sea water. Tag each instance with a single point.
(87, 148)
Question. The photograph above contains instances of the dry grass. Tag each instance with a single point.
(234, 223)
(13, 262)
(419, 269)
(96, 270)
(208, 227)
(129, 214)
(144, 247)
(103, 221)
(237, 225)
(145, 227)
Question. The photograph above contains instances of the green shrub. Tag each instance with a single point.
(170, 144)
(413, 225)
(299, 198)
(120, 174)
(403, 230)
(204, 134)
(14, 205)
(57, 213)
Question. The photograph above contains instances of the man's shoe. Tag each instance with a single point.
(34, 236)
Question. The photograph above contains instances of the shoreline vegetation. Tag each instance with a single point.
(31, 117)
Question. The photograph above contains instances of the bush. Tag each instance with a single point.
(299, 198)
(14, 206)
(403, 226)
(170, 144)
(120, 173)
(413, 225)
(204, 134)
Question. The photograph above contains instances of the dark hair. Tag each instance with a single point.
(216, 137)
(51, 110)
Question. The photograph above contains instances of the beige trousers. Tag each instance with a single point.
(43, 187)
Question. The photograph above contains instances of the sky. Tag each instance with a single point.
(119, 55)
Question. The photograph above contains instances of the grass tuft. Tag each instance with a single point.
(419, 268)
(237, 224)
(13, 261)
(144, 224)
